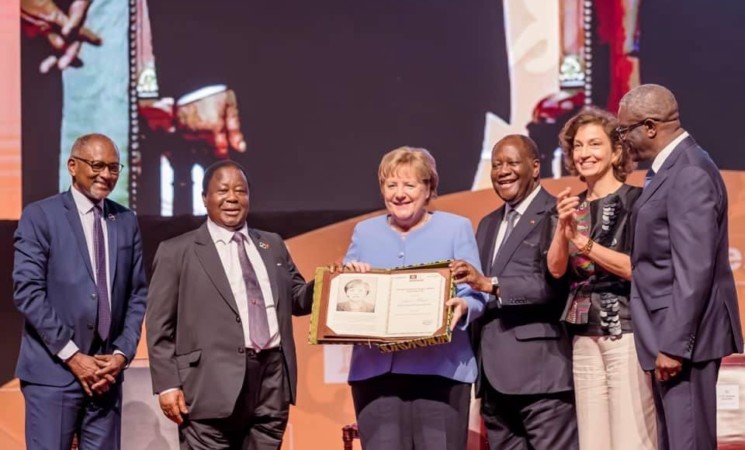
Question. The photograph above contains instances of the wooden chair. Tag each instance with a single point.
(348, 434)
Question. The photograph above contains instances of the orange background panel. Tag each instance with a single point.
(10, 110)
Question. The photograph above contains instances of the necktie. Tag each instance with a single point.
(258, 323)
(648, 177)
(512, 216)
(102, 289)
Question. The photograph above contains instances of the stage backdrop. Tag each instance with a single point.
(321, 90)
(324, 402)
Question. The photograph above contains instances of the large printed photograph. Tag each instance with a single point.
(309, 95)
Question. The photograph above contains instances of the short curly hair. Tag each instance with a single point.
(595, 116)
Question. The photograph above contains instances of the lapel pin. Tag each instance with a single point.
(263, 245)
(112, 218)
(532, 221)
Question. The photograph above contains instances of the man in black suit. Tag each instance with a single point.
(524, 354)
(219, 324)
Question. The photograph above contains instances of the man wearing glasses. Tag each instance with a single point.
(683, 299)
(79, 282)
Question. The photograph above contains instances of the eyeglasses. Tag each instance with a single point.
(623, 131)
(98, 166)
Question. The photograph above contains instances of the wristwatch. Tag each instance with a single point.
(494, 285)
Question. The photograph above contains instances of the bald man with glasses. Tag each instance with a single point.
(80, 286)
(683, 299)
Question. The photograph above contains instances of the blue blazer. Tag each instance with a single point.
(54, 286)
(445, 236)
(683, 297)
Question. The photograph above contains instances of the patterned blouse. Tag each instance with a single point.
(598, 301)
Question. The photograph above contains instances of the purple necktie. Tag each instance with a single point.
(648, 178)
(258, 323)
(102, 289)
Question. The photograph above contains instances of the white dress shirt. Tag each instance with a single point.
(228, 251)
(659, 160)
(520, 208)
(85, 206)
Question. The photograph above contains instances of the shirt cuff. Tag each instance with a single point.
(68, 351)
(168, 390)
(126, 360)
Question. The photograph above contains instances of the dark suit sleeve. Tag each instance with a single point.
(302, 292)
(693, 211)
(130, 336)
(32, 252)
(538, 287)
(161, 318)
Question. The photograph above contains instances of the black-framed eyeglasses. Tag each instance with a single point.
(623, 131)
(98, 166)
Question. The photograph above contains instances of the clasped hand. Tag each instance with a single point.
(96, 373)
(64, 32)
(212, 120)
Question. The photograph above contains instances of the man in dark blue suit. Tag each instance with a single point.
(683, 297)
(524, 353)
(79, 283)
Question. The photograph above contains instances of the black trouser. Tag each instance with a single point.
(687, 407)
(259, 419)
(529, 422)
(406, 412)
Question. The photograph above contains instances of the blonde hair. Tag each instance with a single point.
(418, 159)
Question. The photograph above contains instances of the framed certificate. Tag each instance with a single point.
(395, 309)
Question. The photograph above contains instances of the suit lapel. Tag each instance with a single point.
(73, 217)
(525, 225)
(490, 238)
(266, 256)
(651, 188)
(210, 261)
(111, 232)
(661, 176)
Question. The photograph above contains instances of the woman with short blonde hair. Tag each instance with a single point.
(419, 398)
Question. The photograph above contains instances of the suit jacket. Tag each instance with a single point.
(683, 297)
(194, 335)
(521, 346)
(55, 288)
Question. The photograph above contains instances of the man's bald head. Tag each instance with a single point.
(651, 101)
(81, 146)
(526, 145)
(649, 120)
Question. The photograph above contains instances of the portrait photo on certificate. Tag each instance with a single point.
(381, 305)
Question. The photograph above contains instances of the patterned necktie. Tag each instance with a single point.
(102, 289)
(648, 177)
(258, 323)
